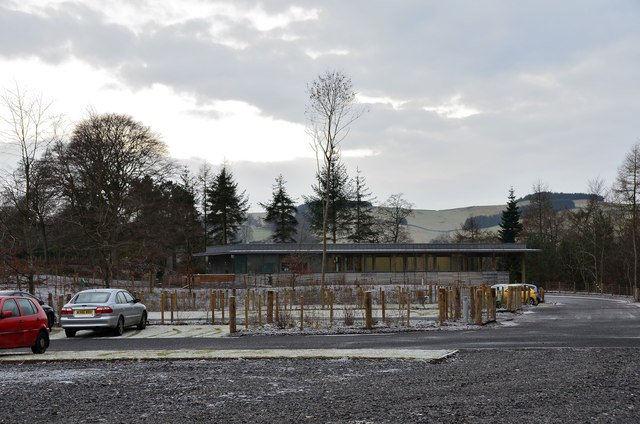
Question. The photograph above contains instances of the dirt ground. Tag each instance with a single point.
(473, 386)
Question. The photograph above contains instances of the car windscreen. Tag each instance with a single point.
(92, 297)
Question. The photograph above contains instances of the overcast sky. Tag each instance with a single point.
(465, 98)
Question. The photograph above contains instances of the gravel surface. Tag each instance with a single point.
(522, 386)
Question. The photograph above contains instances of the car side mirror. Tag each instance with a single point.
(41, 302)
(136, 300)
(6, 314)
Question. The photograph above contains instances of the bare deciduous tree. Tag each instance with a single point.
(393, 219)
(470, 231)
(28, 129)
(331, 110)
(591, 233)
(627, 190)
(98, 171)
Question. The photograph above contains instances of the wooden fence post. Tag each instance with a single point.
(409, 308)
(456, 300)
(301, 313)
(368, 321)
(222, 306)
(246, 310)
(478, 307)
(212, 303)
(260, 310)
(163, 302)
(382, 304)
(493, 304)
(441, 305)
(488, 298)
(269, 306)
(472, 304)
(60, 303)
(174, 300)
(232, 314)
(331, 299)
(449, 303)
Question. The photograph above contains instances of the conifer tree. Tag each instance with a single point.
(334, 203)
(363, 222)
(227, 209)
(281, 213)
(510, 226)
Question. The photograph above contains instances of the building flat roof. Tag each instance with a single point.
(382, 248)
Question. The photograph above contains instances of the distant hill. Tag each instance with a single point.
(560, 201)
(428, 225)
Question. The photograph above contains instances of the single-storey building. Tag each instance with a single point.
(433, 261)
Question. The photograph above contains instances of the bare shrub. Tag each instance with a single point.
(312, 319)
(349, 317)
(285, 320)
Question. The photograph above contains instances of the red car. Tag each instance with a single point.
(23, 323)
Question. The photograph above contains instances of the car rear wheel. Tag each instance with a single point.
(69, 332)
(533, 301)
(42, 342)
(119, 327)
(143, 322)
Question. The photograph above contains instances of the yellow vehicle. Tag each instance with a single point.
(503, 292)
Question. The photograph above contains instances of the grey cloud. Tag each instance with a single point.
(574, 129)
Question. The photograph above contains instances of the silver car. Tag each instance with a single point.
(98, 309)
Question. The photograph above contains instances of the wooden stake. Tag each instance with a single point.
(269, 306)
(301, 313)
(368, 321)
(409, 308)
(222, 304)
(478, 306)
(246, 310)
(331, 298)
(260, 310)
(232, 314)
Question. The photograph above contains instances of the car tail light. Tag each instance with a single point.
(104, 310)
(67, 311)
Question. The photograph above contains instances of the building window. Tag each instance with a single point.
(383, 264)
(421, 263)
(457, 263)
(411, 263)
(443, 263)
(368, 263)
(397, 264)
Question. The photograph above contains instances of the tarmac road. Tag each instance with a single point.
(562, 321)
